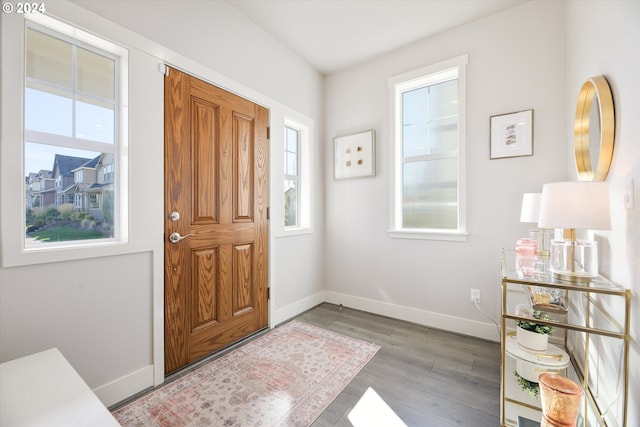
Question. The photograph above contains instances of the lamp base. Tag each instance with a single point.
(543, 237)
(572, 277)
(574, 260)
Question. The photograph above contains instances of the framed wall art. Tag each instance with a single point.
(511, 135)
(354, 155)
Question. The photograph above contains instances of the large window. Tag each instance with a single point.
(429, 140)
(72, 129)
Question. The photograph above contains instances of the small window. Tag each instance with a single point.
(72, 121)
(428, 159)
(93, 201)
(291, 177)
(297, 197)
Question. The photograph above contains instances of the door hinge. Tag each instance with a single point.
(164, 69)
(268, 293)
(268, 213)
(268, 132)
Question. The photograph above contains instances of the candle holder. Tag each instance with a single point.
(560, 398)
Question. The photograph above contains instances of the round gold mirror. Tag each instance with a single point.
(594, 130)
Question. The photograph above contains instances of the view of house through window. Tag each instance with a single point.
(428, 139)
(291, 177)
(70, 121)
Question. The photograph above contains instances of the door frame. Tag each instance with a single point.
(277, 113)
(227, 257)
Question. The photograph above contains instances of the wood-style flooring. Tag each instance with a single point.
(429, 377)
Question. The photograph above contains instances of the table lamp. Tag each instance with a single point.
(530, 212)
(582, 205)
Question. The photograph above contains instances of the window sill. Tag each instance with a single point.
(288, 232)
(452, 236)
(58, 254)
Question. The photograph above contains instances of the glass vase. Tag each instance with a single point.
(560, 398)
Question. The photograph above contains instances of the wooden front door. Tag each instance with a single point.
(216, 227)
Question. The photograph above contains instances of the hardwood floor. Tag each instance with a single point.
(430, 378)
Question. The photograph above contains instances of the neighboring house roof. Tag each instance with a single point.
(48, 190)
(98, 186)
(66, 164)
(91, 164)
(80, 187)
(69, 188)
(38, 176)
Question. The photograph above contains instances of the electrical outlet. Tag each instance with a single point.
(475, 295)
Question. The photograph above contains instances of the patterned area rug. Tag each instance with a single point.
(286, 377)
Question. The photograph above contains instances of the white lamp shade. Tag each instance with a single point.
(530, 211)
(578, 205)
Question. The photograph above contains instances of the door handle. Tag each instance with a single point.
(176, 237)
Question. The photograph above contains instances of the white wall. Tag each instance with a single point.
(242, 57)
(105, 313)
(603, 39)
(518, 59)
(516, 62)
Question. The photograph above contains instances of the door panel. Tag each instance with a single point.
(206, 262)
(206, 145)
(243, 273)
(243, 171)
(216, 177)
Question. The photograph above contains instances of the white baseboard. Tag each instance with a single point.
(128, 385)
(300, 306)
(422, 317)
(122, 388)
(125, 387)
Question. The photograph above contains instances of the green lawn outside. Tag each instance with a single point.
(62, 233)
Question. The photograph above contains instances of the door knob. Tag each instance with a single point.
(176, 237)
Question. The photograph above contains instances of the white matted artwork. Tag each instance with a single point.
(512, 135)
(354, 155)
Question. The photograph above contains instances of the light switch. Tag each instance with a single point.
(628, 195)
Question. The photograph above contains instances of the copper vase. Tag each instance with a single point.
(560, 399)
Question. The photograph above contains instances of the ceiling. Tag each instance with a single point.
(332, 35)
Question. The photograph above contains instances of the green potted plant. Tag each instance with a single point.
(533, 335)
(530, 387)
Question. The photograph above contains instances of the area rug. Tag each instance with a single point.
(286, 377)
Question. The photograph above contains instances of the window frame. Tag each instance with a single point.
(304, 126)
(397, 86)
(297, 177)
(79, 39)
(14, 251)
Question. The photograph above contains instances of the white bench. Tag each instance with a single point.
(44, 390)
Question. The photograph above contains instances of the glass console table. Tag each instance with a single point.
(589, 343)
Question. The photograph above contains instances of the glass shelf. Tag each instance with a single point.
(591, 321)
(544, 277)
(519, 403)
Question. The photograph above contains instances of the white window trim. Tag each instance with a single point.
(297, 177)
(396, 84)
(304, 132)
(13, 250)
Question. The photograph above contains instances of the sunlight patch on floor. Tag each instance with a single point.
(372, 410)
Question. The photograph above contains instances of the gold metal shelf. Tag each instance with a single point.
(597, 308)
